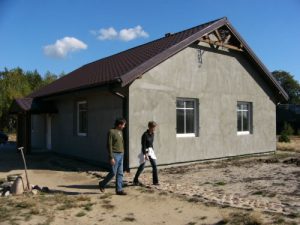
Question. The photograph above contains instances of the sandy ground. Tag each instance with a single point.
(264, 189)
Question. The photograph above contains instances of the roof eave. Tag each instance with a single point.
(82, 88)
(281, 92)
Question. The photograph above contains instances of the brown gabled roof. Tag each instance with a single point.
(32, 105)
(116, 68)
(126, 66)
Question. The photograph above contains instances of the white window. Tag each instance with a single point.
(244, 115)
(186, 116)
(82, 118)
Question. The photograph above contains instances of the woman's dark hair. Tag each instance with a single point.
(119, 121)
(152, 124)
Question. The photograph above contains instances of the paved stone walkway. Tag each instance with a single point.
(255, 184)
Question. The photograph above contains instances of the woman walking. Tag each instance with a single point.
(148, 154)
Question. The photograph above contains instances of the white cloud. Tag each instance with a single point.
(107, 34)
(63, 47)
(126, 34)
(132, 33)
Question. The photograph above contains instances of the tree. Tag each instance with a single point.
(34, 79)
(16, 83)
(289, 84)
(49, 78)
(13, 84)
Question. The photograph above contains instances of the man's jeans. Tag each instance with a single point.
(154, 171)
(116, 170)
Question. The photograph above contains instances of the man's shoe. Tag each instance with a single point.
(121, 193)
(156, 184)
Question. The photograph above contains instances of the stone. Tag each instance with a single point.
(34, 191)
(2, 180)
(6, 194)
(13, 177)
(7, 184)
(18, 187)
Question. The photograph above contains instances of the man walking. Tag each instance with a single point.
(115, 145)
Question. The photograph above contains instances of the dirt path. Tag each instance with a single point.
(221, 192)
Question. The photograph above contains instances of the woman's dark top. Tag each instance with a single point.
(147, 141)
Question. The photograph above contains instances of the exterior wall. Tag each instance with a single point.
(223, 79)
(103, 108)
(38, 131)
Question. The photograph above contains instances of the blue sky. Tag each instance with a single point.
(62, 35)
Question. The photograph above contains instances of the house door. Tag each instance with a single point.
(48, 132)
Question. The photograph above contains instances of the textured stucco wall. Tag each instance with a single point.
(103, 109)
(219, 82)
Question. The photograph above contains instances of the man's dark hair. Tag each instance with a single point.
(119, 121)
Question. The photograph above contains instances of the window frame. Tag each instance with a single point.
(78, 118)
(249, 119)
(196, 117)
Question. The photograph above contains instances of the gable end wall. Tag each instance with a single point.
(218, 83)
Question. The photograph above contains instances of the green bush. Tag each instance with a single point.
(287, 129)
(284, 138)
(286, 133)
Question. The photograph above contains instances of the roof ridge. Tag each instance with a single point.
(150, 42)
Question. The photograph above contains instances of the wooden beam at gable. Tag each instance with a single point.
(218, 43)
(218, 35)
(227, 39)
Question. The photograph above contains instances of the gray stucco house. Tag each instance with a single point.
(210, 94)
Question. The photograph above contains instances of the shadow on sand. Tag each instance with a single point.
(11, 159)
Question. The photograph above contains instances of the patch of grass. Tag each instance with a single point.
(83, 198)
(294, 215)
(106, 201)
(279, 220)
(193, 200)
(129, 219)
(191, 223)
(258, 193)
(13, 222)
(35, 211)
(220, 183)
(163, 193)
(4, 213)
(66, 202)
(108, 195)
(146, 190)
(80, 214)
(48, 221)
(271, 194)
(24, 204)
(108, 206)
(243, 218)
(27, 216)
(221, 222)
(88, 206)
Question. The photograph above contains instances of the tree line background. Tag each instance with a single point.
(17, 83)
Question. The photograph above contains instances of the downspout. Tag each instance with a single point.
(125, 132)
